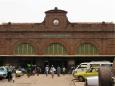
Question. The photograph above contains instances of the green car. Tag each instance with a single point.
(81, 76)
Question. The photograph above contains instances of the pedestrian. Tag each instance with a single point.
(13, 77)
(46, 70)
(33, 69)
(9, 75)
(58, 71)
(38, 70)
(63, 70)
(72, 69)
(28, 70)
(52, 71)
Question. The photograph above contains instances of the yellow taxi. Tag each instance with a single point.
(81, 76)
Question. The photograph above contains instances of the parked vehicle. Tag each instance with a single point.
(3, 72)
(19, 73)
(81, 76)
(81, 67)
(87, 65)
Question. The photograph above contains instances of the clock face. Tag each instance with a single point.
(56, 22)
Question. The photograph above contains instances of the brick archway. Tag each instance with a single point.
(56, 49)
(92, 42)
(17, 42)
(47, 42)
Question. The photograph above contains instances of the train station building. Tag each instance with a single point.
(56, 41)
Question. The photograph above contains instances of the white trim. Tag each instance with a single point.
(57, 56)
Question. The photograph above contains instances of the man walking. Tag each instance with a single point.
(46, 70)
(58, 71)
(9, 75)
(52, 71)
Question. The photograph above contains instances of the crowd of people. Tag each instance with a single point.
(53, 70)
(34, 69)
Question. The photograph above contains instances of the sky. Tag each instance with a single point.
(32, 11)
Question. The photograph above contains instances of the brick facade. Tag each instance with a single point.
(71, 35)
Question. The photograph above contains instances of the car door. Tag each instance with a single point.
(91, 72)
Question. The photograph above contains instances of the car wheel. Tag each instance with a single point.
(81, 79)
(105, 76)
(1, 78)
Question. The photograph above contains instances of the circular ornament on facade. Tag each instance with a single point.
(56, 22)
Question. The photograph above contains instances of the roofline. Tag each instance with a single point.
(56, 10)
(57, 55)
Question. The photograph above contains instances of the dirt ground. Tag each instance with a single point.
(42, 80)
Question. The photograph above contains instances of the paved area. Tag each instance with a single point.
(42, 80)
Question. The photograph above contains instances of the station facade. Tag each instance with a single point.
(56, 41)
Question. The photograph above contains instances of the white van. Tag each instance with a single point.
(86, 65)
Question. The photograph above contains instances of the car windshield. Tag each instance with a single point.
(1, 69)
(83, 66)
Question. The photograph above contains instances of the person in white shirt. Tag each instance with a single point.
(52, 71)
(46, 70)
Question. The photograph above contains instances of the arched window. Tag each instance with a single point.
(24, 49)
(56, 49)
(87, 49)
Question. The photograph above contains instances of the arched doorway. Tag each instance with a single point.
(87, 49)
(56, 49)
(25, 49)
(84, 51)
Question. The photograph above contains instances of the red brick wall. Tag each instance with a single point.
(72, 35)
